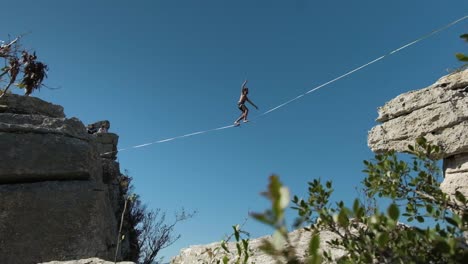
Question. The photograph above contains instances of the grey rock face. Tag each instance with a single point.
(39, 157)
(55, 201)
(55, 220)
(13, 103)
(439, 113)
(38, 124)
(107, 144)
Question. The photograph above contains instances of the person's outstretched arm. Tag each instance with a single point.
(248, 100)
(243, 85)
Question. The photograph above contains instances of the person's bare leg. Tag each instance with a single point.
(246, 112)
(236, 123)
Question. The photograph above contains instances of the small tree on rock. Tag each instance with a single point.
(147, 231)
(20, 64)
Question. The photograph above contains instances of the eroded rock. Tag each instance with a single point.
(13, 103)
(440, 114)
(55, 201)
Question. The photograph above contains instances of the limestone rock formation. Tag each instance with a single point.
(87, 261)
(107, 145)
(58, 196)
(440, 114)
(107, 142)
(300, 238)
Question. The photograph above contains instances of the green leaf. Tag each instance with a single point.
(442, 246)
(460, 197)
(429, 208)
(223, 245)
(284, 197)
(465, 37)
(421, 141)
(314, 244)
(236, 232)
(452, 221)
(343, 218)
(225, 260)
(278, 240)
(245, 244)
(274, 194)
(246, 257)
(420, 219)
(393, 212)
(268, 248)
(461, 57)
(383, 239)
(356, 206)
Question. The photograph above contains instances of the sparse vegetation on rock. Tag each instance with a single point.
(20, 65)
(146, 232)
(461, 56)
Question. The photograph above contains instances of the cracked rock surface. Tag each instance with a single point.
(57, 199)
(438, 112)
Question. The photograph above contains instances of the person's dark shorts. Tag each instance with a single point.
(241, 107)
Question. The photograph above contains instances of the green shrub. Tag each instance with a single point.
(367, 234)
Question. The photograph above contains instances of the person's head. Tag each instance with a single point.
(245, 90)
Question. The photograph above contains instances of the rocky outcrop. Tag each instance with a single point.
(87, 261)
(300, 239)
(107, 145)
(31, 106)
(56, 202)
(440, 114)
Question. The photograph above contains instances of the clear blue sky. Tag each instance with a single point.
(158, 69)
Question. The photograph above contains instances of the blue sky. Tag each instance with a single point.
(158, 69)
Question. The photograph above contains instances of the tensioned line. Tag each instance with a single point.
(304, 94)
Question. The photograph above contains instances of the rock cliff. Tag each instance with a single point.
(439, 113)
(58, 196)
